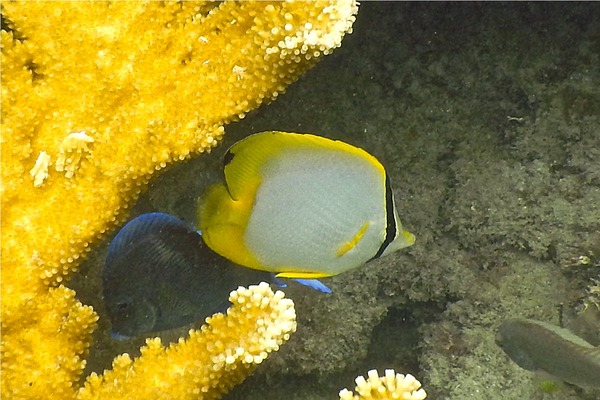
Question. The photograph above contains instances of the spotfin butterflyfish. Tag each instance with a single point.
(301, 206)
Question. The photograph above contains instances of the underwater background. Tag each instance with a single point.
(487, 119)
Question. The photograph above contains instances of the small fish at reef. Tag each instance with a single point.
(301, 206)
(536, 345)
(160, 275)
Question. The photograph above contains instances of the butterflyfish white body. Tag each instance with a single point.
(301, 206)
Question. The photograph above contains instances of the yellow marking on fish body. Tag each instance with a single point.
(346, 247)
(409, 238)
(302, 275)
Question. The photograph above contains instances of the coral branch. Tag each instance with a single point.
(43, 345)
(214, 359)
(389, 386)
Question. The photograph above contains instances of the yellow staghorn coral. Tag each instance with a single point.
(389, 386)
(37, 366)
(227, 349)
(100, 95)
(96, 97)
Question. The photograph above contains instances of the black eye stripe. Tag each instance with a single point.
(227, 158)
(390, 229)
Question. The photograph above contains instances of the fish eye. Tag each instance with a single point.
(122, 309)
